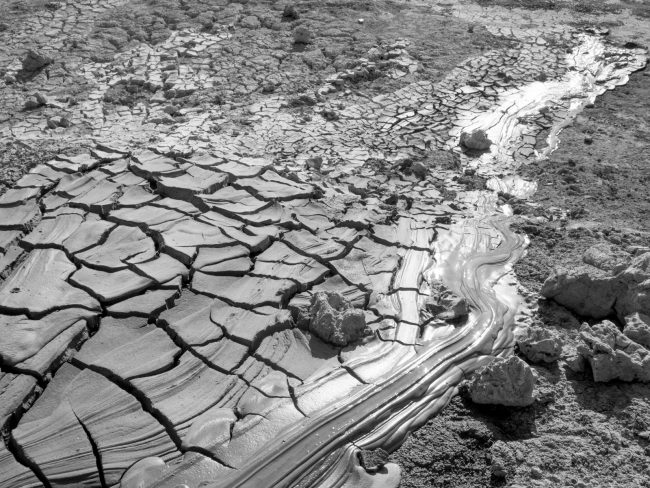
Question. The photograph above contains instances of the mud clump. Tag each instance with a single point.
(335, 320)
(301, 35)
(34, 61)
(612, 355)
(540, 345)
(592, 292)
(509, 382)
(586, 290)
(475, 141)
(372, 460)
(290, 13)
(444, 304)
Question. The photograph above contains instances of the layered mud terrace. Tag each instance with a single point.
(158, 287)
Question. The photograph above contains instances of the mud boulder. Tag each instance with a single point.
(635, 296)
(540, 345)
(444, 304)
(508, 382)
(475, 141)
(637, 328)
(335, 320)
(607, 258)
(613, 355)
(35, 60)
(586, 290)
(301, 35)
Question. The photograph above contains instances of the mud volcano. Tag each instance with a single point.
(261, 244)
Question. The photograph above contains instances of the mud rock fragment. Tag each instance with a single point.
(301, 35)
(612, 355)
(507, 382)
(540, 345)
(604, 256)
(250, 22)
(637, 328)
(502, 460)
(419, 170)
(290, 13)
(57, 121)
(35, 60)
(32, 102)
(445, 304)
(635, 295)
(475, 141)
(586, 290)
(334, 320)
(372, 460)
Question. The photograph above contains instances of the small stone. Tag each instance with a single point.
(31, 103)
(540, 345)
(315, 163)
(301, 35)
(508, 382)
(57, 121)
(502, 458)
(290, 13)
(335, 320)
(250, 22)
(475, 141)
(612, 355)
(637, 328)
(35, 60)
(445, 304)
(586, 290)
(372, 460)
(419, 170)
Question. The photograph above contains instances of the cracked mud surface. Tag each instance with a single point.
(181, 180)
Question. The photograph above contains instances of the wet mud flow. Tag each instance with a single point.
(248, 286)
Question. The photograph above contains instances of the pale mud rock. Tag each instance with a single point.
(290, 13)
(372, 460)
(637, 328)
(508, 382)
(606, 257)
(612, 355)
(335, 320)
(35, 60)
(502, 457)
(636, 295)
(475, 141)
(540, 345)
(302, 35)
(586, 290)
(58, 121)
(592, 292)
(444, 304)
(250, 22)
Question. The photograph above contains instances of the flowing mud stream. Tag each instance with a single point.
(189, 248)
